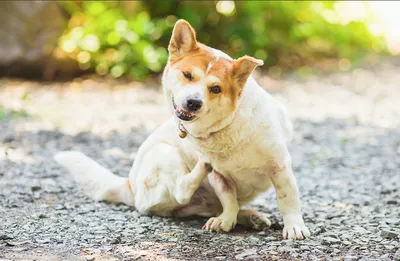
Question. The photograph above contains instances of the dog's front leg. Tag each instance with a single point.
(225, 189)
(288, 200)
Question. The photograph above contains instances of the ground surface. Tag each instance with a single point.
(346, 155)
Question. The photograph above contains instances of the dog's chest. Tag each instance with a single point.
(251, 177)
(247, 166)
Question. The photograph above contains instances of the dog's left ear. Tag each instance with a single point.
(244, 67)
(183, 39)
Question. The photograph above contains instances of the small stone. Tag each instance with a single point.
(16, 243)
(246, 253)
(42, 216)
(36, 188)
(8, 138)
(330, 240)
(309, 136)
(116, 240)
(384, 257)
(253, 240)
(5, 237)
(392, 202)
(269, 239)
(305, 248)
(397, 255)
(89, 258)
(284, 249)
(350, 258)
(276, 226)
(19, 249)
(145, 219)
(388, 234)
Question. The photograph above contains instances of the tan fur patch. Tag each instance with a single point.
(281, 195)
(152, 180)
(128, 184)
(275, 168)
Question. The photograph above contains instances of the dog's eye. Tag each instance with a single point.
(215, 89)
(187, 75)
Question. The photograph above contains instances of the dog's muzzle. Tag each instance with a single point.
(182, 114)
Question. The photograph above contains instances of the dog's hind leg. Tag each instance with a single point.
(253, 219)
(164, 182)
(187, 184)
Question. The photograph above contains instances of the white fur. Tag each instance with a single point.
(168, 176)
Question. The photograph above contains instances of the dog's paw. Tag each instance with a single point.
(294, 227)
(219, 223)
(259, 220)
(208, 167)
(296, 232)
(205, 161)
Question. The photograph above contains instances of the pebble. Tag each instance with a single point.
(350, 258)
(305, 248)
(89, 258)
(5, 237)
(269, 239)
(388, 234)
(330, 240)
(246, 253)
(8, 138)
(396, 255)
(284, 249)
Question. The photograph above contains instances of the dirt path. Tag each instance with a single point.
(346, 155)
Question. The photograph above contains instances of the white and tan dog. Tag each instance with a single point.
(235, 149)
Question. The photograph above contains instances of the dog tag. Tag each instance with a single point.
(182, 133)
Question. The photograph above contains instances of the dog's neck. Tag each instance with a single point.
(206, 132)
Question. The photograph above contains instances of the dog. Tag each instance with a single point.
(225, 144)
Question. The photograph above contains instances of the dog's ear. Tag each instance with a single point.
(183, 39)
(244, 67)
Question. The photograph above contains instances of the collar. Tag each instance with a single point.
(183, 132)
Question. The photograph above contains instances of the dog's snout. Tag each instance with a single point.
(193, 104)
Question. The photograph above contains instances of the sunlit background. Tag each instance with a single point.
(115, 48)
(129, 39)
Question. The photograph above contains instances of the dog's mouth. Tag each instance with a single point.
(182, 114)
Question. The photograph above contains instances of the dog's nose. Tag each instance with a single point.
(193, 104)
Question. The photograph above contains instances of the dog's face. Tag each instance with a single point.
(200, 84)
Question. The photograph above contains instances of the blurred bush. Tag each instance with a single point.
(131, 38)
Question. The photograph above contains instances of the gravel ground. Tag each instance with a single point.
(346, 155)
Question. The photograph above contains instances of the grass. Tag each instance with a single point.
(11, 114)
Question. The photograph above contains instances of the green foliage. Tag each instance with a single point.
(11, 114)
(131, 38)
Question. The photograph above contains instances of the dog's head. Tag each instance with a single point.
(203, 85)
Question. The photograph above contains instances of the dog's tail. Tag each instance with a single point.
(98, 182)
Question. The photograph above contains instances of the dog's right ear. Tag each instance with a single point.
(183, 39)
(244, 67)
